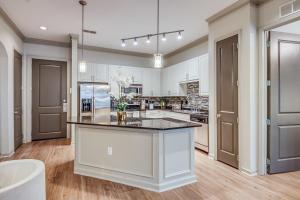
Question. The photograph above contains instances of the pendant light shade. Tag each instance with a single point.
(82, 64)
(158, 60)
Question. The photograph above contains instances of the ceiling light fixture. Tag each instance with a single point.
(164, 38)
(82, 65)
(148, 40)
(44, 28)
(123, 43)
(158, 57)
(135, 42)
(179, 37)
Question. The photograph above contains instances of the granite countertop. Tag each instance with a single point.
(133, 122)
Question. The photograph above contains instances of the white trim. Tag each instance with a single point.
(106, 175)
(247, 172)
(7, 155)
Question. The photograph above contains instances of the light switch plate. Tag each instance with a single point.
(109, 150)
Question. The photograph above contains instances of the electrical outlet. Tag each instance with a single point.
(109, 150)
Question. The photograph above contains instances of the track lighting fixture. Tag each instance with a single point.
(158, 57)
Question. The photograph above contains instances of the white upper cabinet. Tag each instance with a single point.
(193, 69)
(101, 73)
(87, 75)
(94, 73)
(135, 73)
(151, 82)
(204, 74)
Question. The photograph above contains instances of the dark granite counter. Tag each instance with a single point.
(132, 122)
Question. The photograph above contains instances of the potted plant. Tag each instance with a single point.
(121, 110)
(121, 102)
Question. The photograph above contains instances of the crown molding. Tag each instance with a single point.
(47, 42)
(11, 24)
(188, 46)
(115, 51)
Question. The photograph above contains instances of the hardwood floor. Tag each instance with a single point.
(215, 180)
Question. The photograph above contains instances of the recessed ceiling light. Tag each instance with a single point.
(44, 28)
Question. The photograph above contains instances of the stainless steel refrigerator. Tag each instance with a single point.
(94, 99)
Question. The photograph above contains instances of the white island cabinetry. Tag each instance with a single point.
(153, 154)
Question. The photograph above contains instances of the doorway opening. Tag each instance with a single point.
(283, 97)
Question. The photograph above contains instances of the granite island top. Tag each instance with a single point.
(134, 122)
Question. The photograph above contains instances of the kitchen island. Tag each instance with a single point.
(153, 154)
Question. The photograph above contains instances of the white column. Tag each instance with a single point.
(74, 78)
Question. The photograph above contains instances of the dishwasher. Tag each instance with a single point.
(201, 133)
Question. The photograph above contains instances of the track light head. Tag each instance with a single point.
(148, 39)
(123, 43)
(179, 37)
(135, 42)
(164, 38)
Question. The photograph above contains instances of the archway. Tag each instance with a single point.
(4, 146)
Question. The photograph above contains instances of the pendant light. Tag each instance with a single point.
(82, 65)
(158, 58)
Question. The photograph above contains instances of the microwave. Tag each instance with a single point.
(136, 89)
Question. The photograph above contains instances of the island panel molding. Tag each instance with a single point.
(140, 157)
(92, 150)
(182, 152)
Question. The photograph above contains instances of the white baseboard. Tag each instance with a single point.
(7, 155)
(135, 182)
(211, 156)
(248, 172)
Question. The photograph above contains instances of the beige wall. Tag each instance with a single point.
(269, 14)
(9, 42)
(116, 59)
(197, 50)
(245, 25)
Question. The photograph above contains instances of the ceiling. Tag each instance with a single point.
(113, 20)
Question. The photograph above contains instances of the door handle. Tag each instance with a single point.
(218, 116)
(16, 112)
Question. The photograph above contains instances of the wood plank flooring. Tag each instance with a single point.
(216, 181)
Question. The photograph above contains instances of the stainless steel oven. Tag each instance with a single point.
(136, 89)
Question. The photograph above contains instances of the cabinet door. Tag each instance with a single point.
(147, 88)
(182, 71)
(193, 66)
(87, 75)
(156, 73)
(164, 82)
(151, 82)
(100, 73)
(204, 75)
(134, 73)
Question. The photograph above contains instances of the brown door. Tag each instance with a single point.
(284, 103)
(49, 93)
(18, 136)
(227, 100)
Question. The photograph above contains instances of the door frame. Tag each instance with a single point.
(263, 97)
(28, 88)
(213, 112)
